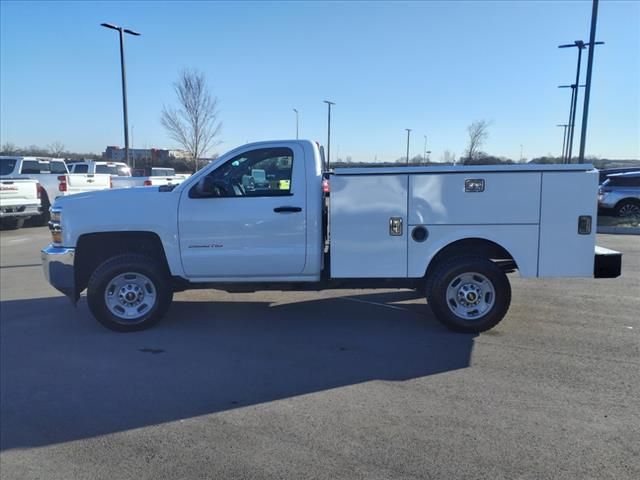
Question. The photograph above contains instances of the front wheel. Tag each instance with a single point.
(129, 293)
(469, 294)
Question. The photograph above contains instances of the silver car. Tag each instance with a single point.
(620, 194)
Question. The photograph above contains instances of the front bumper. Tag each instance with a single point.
(57, 263)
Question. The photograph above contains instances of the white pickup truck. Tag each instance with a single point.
(19, 201)
(121, 176)
(451, 232)
(52, 174)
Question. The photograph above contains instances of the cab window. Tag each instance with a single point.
(265, 172)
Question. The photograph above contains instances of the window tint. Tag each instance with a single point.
(57, 167)
(30, 167)
(258, 173)
(7, 165)
(624, 182)
(80, 168)
(110, 169)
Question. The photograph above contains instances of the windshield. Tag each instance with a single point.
(7, 165)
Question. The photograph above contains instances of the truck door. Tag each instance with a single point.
(247, 217)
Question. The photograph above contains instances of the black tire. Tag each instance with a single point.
(486, 282)
(628, 208)
(42, 219)
(12, 223)
(139, 266)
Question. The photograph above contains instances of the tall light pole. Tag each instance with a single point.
(580, 45)
(587, 91)
(329, 103)
(122, 31)
(408, 133)
(572, 119)
(424, 156)
(296, 123)
(521, 153)
(564, 138)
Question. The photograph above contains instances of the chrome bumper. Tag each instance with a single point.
(57, 263)
(20, 211)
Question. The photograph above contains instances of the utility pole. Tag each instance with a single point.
(122, 31)
(296, 123)
(408, 133)
(329, 103)
(424, 157)
(587, 91)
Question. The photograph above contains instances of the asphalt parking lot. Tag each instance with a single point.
(336, 384)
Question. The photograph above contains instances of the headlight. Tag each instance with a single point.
(55, 226)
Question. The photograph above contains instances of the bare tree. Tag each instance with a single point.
(8, 148)
(194, 124)
(57, 149)
(478, 133)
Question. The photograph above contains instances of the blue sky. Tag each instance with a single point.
(431, 66)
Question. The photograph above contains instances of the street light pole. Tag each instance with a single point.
(296, 123)
(408, 133)
(329, 103)
(580, 45)
(572, 119)
(564, 138)
(121, 32)
(587, 90)
(424, 157)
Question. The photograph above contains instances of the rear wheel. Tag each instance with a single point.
(12, 223)
(129, 293)
(44, 217)
(469, 294)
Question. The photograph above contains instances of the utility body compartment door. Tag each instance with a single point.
(368, 226)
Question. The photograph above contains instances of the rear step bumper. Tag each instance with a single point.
(607, 263)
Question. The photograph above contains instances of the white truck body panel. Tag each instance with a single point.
(360, 209)
(565, 197)
(507, 212)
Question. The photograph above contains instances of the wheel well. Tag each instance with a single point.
(628, 200)
(478, 247)
(95, 248)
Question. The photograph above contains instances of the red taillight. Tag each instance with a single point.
(39, 189)
(63, 183)
(147, 183)
(110, 182)
(325, 186)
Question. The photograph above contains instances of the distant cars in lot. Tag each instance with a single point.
(54, 178)
(620, 194)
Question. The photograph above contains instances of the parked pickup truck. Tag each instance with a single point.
(54, 177)
(451, 232)
(121, 176)
(19, 201)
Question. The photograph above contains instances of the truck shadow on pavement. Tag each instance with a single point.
(64, 377)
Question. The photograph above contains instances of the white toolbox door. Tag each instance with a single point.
(363, 244)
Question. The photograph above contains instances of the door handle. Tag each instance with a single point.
(287, 209)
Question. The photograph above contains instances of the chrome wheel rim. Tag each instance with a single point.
(130, 296)
(630, 210)
(470, 296)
